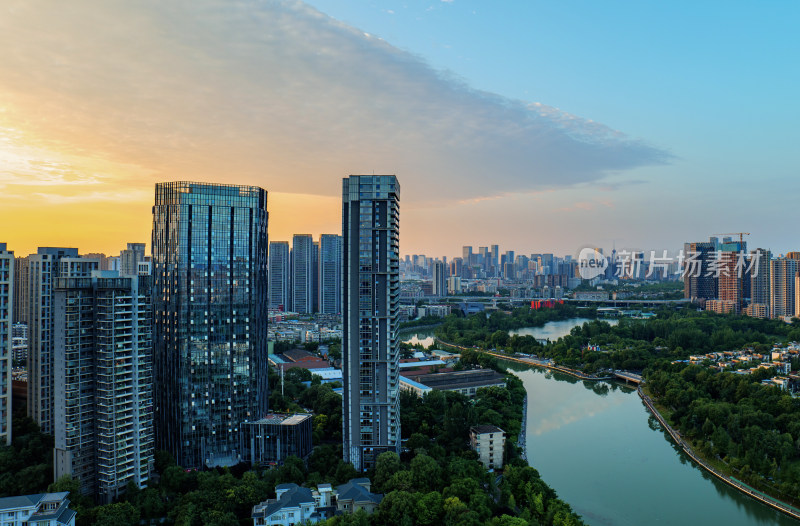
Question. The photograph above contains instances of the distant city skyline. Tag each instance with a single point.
(560, 127)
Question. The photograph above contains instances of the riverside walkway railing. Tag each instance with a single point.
(687, 449)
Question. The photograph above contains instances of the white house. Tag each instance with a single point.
(41, 509)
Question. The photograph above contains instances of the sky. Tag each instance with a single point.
(538, 126)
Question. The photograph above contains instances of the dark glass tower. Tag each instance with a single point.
(370, 299)
(210, 310)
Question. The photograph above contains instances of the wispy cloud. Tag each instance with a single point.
(279, 94)
(91, 197)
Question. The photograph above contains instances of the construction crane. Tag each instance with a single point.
(740, 234)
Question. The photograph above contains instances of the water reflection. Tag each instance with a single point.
(605, 454)
(553, 330)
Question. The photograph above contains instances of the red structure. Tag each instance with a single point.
(545, 304)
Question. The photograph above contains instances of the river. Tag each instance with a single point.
(601, 450)
(553, 330)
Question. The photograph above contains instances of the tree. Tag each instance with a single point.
(117, 514)
(426, 473)
(397, 508)
(388, 464)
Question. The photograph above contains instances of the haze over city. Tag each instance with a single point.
(536, 126)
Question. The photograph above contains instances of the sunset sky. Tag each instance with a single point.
(539, 126)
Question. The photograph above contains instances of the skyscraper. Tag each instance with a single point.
(495, 256)
(279, 275)
(104, 382)
(782, 280)
(698, 281)
(302, 281)
(466, 255)
(370, 296)
(210, 309)
(439, 278)
(7, 263)
(43, 268)
(129, 259)
(20, 314)
(330, 274)
(760, 279)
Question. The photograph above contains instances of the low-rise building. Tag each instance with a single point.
(464, 382)
(270, 440)
(41, 509)
(293, 505)
(356, 495)
(489, 442)
(297, 505)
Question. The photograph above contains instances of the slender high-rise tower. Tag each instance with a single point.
(782, 285)
(104, 382)
(370, 296)
(439, 278)
(330, 274)
(279, 275)
(303, 273)
(6, 314)
(43, 269)
(210, 310)
(760, 279)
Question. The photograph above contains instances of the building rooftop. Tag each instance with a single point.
(479, 430)
(294, 496)
(280, 419)
(458, 379)
(356, 490)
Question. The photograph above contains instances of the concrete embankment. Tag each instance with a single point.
(763, 498)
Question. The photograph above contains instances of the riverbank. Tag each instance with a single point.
(415, 328)
(521, 439)
(530, 361)
(689, 451)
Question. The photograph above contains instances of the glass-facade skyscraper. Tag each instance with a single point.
(370, 298)
(210, 309)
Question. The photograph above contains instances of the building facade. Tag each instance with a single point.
(330, 274)
(41, 509)
(129, 259)
(698, 282)
(760, 282)
(370, 298)
(104, 380)
(302, 280)
(210, 309)
(273, 438)
(6, 340)
(489, 442)
(439, 278)
(43, 269)
(279, 292)
(782, 279)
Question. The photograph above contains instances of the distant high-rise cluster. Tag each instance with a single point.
(485, 271)
(726, 278)
(306, 278)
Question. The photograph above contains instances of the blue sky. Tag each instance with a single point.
(714, 83)
(537, 126)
